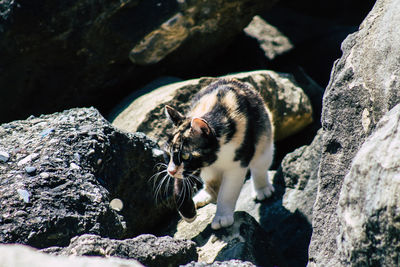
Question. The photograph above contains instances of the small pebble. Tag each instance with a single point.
(73, 166)
(20, 213)
(24, 195)
(44, 175)
(46, 132)
(4, 156)
(157, 152)
(116, 204)
(27, 159)
(30, 170)
(77, 157)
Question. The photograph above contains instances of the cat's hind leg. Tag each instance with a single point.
(259, 166)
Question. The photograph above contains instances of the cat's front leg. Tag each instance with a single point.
(212, 182)
(228, 194)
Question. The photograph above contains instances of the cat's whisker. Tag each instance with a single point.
(160, 185)
(155, 177)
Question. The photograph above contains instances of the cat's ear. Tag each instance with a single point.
(200, 126)
(175, 116)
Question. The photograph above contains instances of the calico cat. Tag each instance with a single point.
(227, 132)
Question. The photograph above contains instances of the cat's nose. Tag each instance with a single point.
(172, 171)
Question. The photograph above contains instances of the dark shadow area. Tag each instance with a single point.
(290, 232)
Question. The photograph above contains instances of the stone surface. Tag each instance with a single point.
(284, 220)
(19, 256)
(270, 39)
(4, 157)
(147, 249)
(81, 166)
(237, 263)
(289, 105)
(245, 240)
(364, 85)
(369, 204)
(299, 171)
(57, 55)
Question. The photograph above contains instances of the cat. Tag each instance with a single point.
(227, 132)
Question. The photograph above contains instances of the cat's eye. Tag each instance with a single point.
(185, 156)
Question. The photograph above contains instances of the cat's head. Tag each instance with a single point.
(191, 146)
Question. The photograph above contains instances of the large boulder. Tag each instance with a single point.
(369, 203)
(290, 106)
(57, 55)
(20, 255)
(147, 249)
(364, 85)
(61, 171)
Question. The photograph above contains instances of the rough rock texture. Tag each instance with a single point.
(289, 105)
(63, 171)
(54, 55)
(147, 249)
(19, 256)
(245, 240)
(230, 263)
(283, 217)
(364, 85)
(369, 202)
(299, 172)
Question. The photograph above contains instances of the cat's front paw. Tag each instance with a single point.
(263, 193)
(202, 198)
(221, 221)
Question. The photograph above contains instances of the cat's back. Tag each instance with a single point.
(237, 114)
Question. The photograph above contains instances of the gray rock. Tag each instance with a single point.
(284, 217)
(245, 240)
(230, 263)
(19, 256)
(30, 170)
(4, 156)
(369, 202)
(147, 249)
(270, 39)
(364, 85)
(299, 171)
(63, 201)
(84, 46)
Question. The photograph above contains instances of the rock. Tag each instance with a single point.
(63, 201)
(369, 204)
(147, 249)
(4, 156)
(290, 106)
(363, 87)
(271, 40)
(84, 46)
(30, 170)
(299, 171)
(245, 240)
(19, 255)
(284, 217)
(237, 263)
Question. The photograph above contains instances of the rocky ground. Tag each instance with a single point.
(77, 187)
